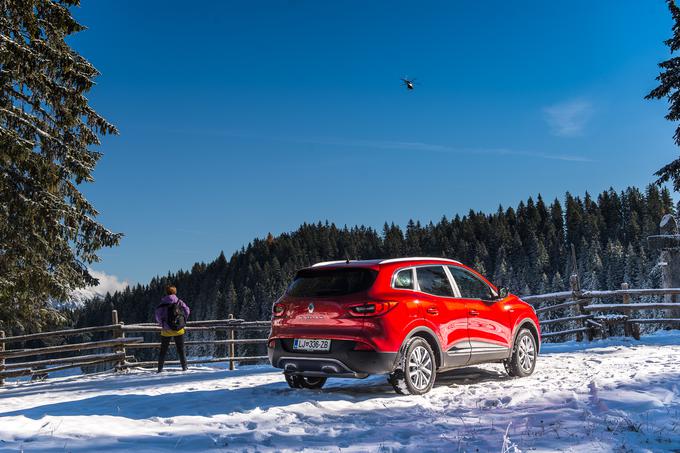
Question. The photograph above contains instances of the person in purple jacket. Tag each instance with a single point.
(172, 315)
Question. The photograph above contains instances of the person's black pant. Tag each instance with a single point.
(179, 344)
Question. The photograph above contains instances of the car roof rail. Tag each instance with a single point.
(419, 258)
(328, 263)
(387, 261)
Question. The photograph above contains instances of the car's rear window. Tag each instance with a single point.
(331, 282)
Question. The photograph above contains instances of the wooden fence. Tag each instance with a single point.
(587, 316)
(584, 316)
(118, 346)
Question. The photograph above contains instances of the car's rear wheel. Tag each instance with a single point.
(416, 372)
(523, 360)
(298, 382)
(294, 382)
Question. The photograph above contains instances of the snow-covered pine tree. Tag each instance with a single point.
(669, 87)
(48, 231)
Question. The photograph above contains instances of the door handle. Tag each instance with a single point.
(473, 313)
(433, 311)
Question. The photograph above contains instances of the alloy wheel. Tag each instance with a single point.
(420, 367)
(526, 353)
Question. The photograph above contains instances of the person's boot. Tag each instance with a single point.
(163, 352)
(181, 353)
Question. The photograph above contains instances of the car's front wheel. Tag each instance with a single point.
(299, 382)
(416, 372)
(523, 360)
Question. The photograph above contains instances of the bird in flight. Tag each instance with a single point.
(408, 83)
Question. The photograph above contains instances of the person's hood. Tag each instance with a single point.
(171, 299)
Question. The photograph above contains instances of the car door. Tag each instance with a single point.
(446, 312)
(488, 321)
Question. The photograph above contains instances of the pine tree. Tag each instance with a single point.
(48, 231)
(669, 87)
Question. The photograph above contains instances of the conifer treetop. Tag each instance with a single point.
(48, 131)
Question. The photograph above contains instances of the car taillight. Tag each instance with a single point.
(278, 309)
(371, 309)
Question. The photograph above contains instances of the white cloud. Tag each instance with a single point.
(79, 297)
(569, 118)
(107, 283)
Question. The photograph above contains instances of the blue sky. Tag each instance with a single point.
(242, 118)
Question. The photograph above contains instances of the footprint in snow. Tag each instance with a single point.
(251, 426)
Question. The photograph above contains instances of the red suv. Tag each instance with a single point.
(407, 317)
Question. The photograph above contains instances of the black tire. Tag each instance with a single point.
(524, 354)
(417, 369)
(294, 382)
(299, 382)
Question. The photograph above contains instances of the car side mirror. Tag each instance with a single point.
(503, 292)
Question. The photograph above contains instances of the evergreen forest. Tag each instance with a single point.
(526, 248)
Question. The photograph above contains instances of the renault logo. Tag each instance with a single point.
(310, 308)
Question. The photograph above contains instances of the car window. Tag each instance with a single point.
(331, 282)
(470, 286)
(404, 279)
(433, 280)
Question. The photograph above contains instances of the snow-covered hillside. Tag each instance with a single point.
(617, 395)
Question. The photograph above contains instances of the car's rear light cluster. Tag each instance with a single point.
(278, 309)
(371, 309)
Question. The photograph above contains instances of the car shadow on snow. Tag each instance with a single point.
(379, 384)
(469, 376)
(208, 403)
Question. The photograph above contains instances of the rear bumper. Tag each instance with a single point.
(341, 361)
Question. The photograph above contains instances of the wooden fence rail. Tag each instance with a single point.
(601, 294)
(583, 317)
(58, 333)
(118, 345)
(13, 354)
(584, 310)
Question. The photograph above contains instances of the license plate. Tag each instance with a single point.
(305, 344)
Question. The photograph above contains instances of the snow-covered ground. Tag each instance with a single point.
(617, 395)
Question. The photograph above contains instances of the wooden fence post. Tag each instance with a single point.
(626, 297)
(626, 300)
(118, 333)
(576, 290)
(575, 284)
(232, 347)
(2, 360)
(630, 328)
